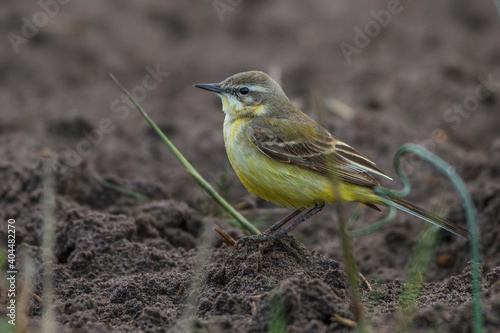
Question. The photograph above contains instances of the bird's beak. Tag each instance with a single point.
(213, 87)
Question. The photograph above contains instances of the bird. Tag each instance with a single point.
(283, 156)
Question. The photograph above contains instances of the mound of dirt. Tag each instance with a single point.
(126, 265)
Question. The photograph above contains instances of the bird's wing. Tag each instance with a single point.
(304, 143)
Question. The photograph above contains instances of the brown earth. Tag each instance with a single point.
(127, 265)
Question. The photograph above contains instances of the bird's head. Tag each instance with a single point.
(251, 93)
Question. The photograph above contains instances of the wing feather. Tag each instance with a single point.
(304, 143)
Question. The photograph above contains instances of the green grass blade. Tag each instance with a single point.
(470, 211)
(190, 169)
(276, 314)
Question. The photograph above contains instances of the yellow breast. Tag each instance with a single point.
(281, 183)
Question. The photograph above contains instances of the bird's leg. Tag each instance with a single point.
(270, 236)
(302, 218)
(283, 221)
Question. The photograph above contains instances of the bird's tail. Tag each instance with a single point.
(410, 208)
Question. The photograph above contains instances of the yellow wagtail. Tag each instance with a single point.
(283, 156)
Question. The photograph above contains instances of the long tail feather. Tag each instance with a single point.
(410, 208)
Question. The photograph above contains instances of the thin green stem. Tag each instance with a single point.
(470, 211)
(448, 171)
(190, 169)
(349, 260)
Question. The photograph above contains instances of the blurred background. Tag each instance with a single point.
(376, 74)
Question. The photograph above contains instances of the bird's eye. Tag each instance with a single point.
(244, 90)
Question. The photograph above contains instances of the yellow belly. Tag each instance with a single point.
(281, 183)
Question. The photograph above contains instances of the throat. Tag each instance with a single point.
(228, 107)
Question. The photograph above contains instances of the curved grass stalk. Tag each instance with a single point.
(190, 169)
(449, 172)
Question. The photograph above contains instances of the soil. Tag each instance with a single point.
(125, 264)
